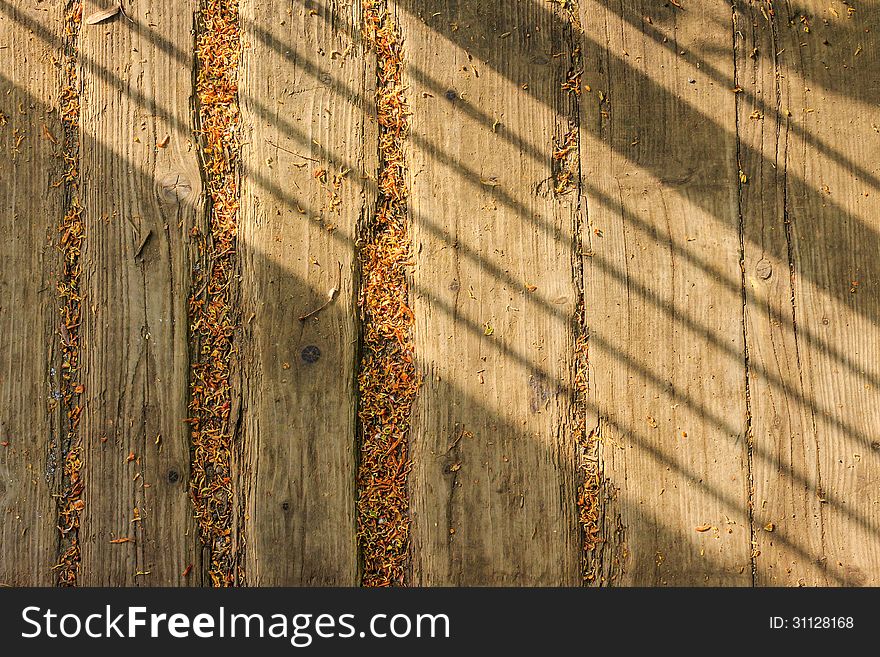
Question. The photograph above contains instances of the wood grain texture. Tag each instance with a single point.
(788, 514)
(493, 475)
(816, 481)
(663, 299)
(31, 211)
(141, 195)
(304, 190)
(727, 211)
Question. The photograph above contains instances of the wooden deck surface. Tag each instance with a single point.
(643, 271)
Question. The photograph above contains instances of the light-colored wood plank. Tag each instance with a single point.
(663, 299)
(141, 197)
(302, 95)
(818, 486)
(32, 209)
(493, 474)
(788, 532)
(729, 288)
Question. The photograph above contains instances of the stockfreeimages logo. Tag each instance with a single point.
(300, 629)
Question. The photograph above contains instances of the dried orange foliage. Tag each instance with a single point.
(588, 446)
(566, 164)
(387, 379)
(70, 243)
(566, 152)
(566, 169)
(574, 81)
(212, 314)
(589, 510)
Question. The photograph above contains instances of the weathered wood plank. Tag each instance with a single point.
(787, 509)
(30, 131)
(141, 197)
(663, 297)
(817, 485)
(729, 200)
(493, 473)
(302, 91)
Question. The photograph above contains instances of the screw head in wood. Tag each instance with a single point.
(310, 354)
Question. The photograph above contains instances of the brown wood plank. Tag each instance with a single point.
(493, 468)
(726, 210)
(302, 91)
(812, 258)
(31, 212)
(784, 442)
(663, 297)
(141, 197)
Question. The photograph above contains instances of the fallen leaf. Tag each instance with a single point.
(703, 528)
(164, 142)
(101, 16)
(121, 540)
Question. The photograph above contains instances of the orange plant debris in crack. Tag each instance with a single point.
(72, 235)
(387, 381)
(213, 315)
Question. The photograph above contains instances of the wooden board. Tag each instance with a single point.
(141, 195)
(724, 198)
(663, 298)
(493, 475)
(308, 149)
(31, 212)
(785, 445)
(812, 239)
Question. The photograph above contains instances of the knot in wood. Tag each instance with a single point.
(174, 187)
(764, 269)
